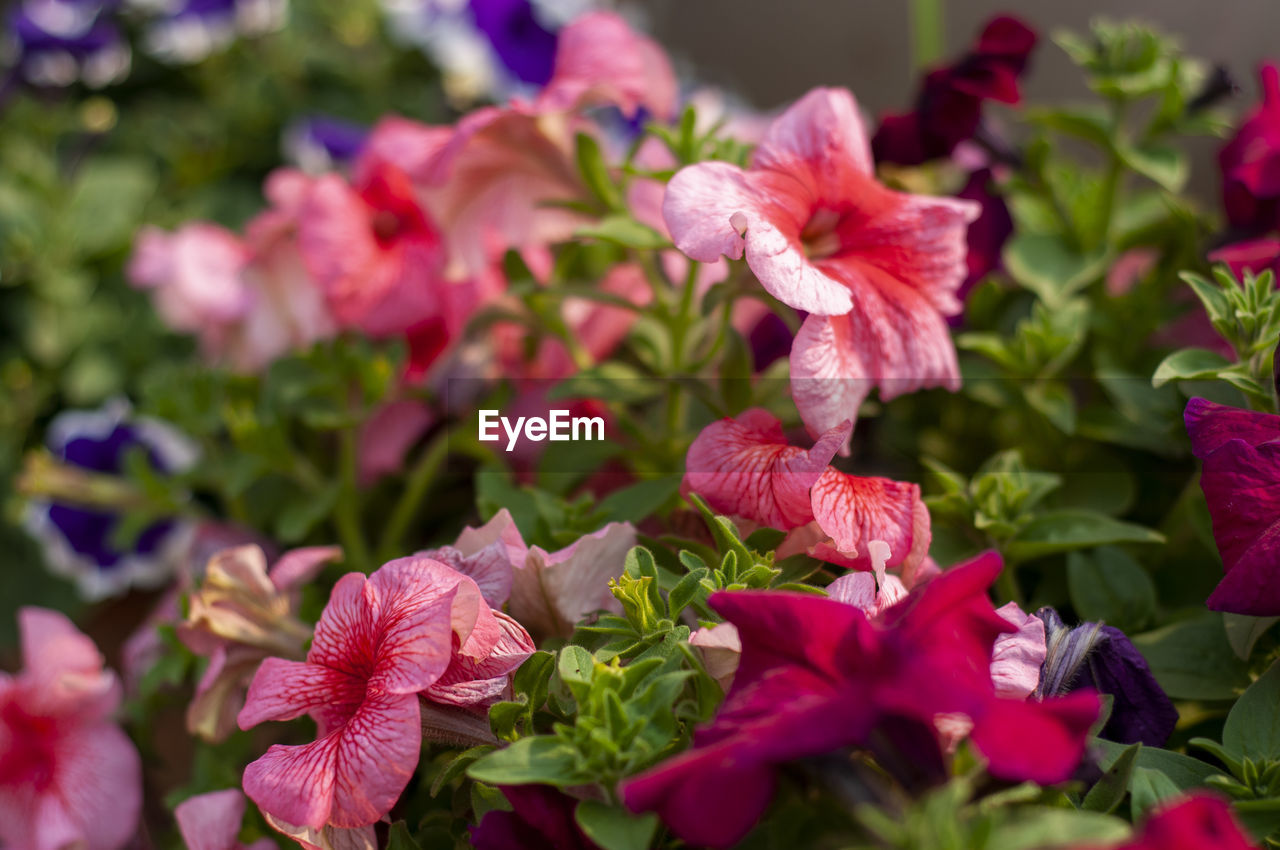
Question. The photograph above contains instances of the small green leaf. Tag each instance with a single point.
(625, 231)
(1253, 726)
(1108, 586)
(1243, 632)
(1165, 165)
(614, 828)
(540, 759)
(1189, 364)
(595, 173)
(400, 839)
(638, 501)
(457, 767)
(1046, 266)
(577, 668)
(1191, 659)
(1184, 771)
(1065, 530)
(1147, 788)
(1107, 793)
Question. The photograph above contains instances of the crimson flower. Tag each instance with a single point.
(1191, 822)
(817, 676)
(948, 108)
(1240, 451)
(415, 627)
(877, 270)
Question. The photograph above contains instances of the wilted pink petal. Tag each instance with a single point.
(1016, 657)
(325, 838)
(721, 648)
(552, 591)
(69, 776)
(600, 60)
(873, 592)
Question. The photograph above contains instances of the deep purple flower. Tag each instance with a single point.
(526, 48)
(54, 43)
(541, 819)
(319, 143)
(1240, 451)
(948, 108)
(79, 539)
(191, 30)
(988, 233)
(1102, 658)
(816, 676)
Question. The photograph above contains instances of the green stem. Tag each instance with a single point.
(419, 482)
(1007, 586)
(347, 510)
(927, 27)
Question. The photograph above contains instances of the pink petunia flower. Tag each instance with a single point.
(1189, 822)
(1240, 452)
(877, 270)
(239, 615)
(212, 822)
(744, 467)
(68, 774)
(816, 676)
(415, 629)
(549, 591)
(1250, 163)
(600, 59)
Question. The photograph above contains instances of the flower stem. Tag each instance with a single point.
(416, 487)
(347, 509)
(1007, 586)
(927, 28)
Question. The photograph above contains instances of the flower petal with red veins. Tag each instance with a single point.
(1037, 741)
(376, 755)
(854, 510)
(283, 690)
(821, 133)
(829, 378)
(469, 681)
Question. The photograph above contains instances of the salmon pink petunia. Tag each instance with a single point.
(744, 467)
(877, 270)
(817, 676)
(1240, 451)
(68, 775)
(415, 627)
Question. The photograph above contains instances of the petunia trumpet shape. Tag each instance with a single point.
(241, 614)
(212, 822)
(415, 627)
(877, 270)
(1240, 451)
(744, 467)
(817, 676)
(68, 775)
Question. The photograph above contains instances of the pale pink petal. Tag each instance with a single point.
(721, 649)
(856, 510)
(195, 273)
(822, 131)
(64, 667)
(745, 468)
(501, 528)
(99, 784)
(211, 821)
(489, 567)
(325, 838)
(552, 591)
(387, 436)
(283, 690)
(829, 379)
(299, 566)
(1016, 657)
(601, 60)
(406, 144)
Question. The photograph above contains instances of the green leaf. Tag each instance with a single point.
(1189, 364)
(609, 381)
(1163, 164)
(303, 512)
(1183, 771)
(595, 173)
(1090, 122)
(625, 231)
(1191, 659)
(1046, 266)
(1054, 401)
(1147, 788)
(577, 668)
(1108, 586)
(458, 766)
(614, 828)
(1243, 632)
(1043, 828)
(1260, 817)
(639, 500)
(1107, 793)
(1253, 726)
(106, 204)
(400, 839)
(1064, 530)
(539, 759)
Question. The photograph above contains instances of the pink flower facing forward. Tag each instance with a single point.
(212, 822)
(1195, 821)
(415, 629)
(68, 775)
(877, 270)
(817, 676)
(1240, 451)
(744, 467)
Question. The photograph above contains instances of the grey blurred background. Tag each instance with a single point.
(771, 51)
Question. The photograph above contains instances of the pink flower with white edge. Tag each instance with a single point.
(212, 822)
(416, 629)
(877, 270)
(745, 467)
(600, 59)
(552, 591)
(68, 774)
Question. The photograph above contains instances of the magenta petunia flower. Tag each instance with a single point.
(212, 822)
(948, 108)
(817, 676)
(1250, 163)
(541, 818)
(744, 467)
(68, 775)
(877, 270)
(1189, 822)
(1240, 451)
(415, 627)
